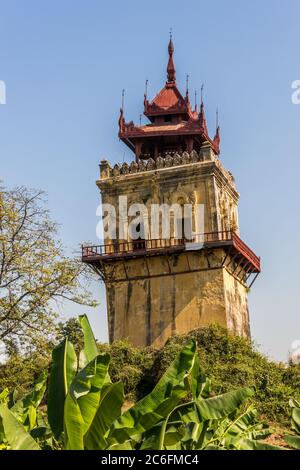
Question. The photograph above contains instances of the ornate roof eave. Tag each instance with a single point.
(151, 109)
(139, 133)
(135, 133)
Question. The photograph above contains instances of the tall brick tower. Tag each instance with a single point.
(158, 287)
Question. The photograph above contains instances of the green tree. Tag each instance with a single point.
(34, 271)
(72, 330)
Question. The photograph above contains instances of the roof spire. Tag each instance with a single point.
(121, 118)
(187, 86)
(217, 135)
(145, 97)
(123, 94)
(202, 114)
(196, 100)
(171, 72)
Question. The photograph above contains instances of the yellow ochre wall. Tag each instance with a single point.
(148, 311)
(153, 304)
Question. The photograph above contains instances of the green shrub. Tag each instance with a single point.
(230, 362)
(85, 409)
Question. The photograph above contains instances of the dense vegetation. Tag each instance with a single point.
(59, 389)
(35, 273)
(86, 410)
(229, 361)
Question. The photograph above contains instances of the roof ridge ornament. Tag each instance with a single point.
(146, 97)
(202, 119)
(217, 138)
(121, 118)
(171, 72)
(187, 87)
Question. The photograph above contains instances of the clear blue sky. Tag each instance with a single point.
(65, 63)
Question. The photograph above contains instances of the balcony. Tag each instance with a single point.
(151, 247)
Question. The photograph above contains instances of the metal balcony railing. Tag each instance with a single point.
(120, 248)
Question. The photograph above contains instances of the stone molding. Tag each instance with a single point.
(175, 160)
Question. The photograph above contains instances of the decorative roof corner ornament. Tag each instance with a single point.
(121, 118)
(187, 98)
(121, 121)
(202, 119)
(146, 102)
(217, 138)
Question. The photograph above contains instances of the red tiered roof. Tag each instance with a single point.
(171, 115)
(168, 100)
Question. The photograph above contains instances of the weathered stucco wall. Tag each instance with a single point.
(148, 304)
(236, 301)
(198, 183)
(148, 311)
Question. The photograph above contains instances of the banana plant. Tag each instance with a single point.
(91, 404)
(174, 385)
(209, 423)
(85, 408)
(293, 440)
(13, 434)
(26, 409)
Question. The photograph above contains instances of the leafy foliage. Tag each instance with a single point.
(293, 440)
(178, 413)
(15, 434)
(228, 360)
(20, 372)
(33, 270)
(72, 330)
(63, 370)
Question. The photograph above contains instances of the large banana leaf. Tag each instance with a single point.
(16, 435)
(172, 437)
(296, 420)
(83, 400)
(90, 350)
(127, 445)
(246, 426)
(197, 417)
(151, 438)
(184, 418)
(63, 370)
(250, 444)
(4, 396)
(222, 405)
(204, 418)
(25, 409)
(109, 409)
(172, 387)
(200, 385)
(292, 441)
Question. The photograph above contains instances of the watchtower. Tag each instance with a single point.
(160, 286)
